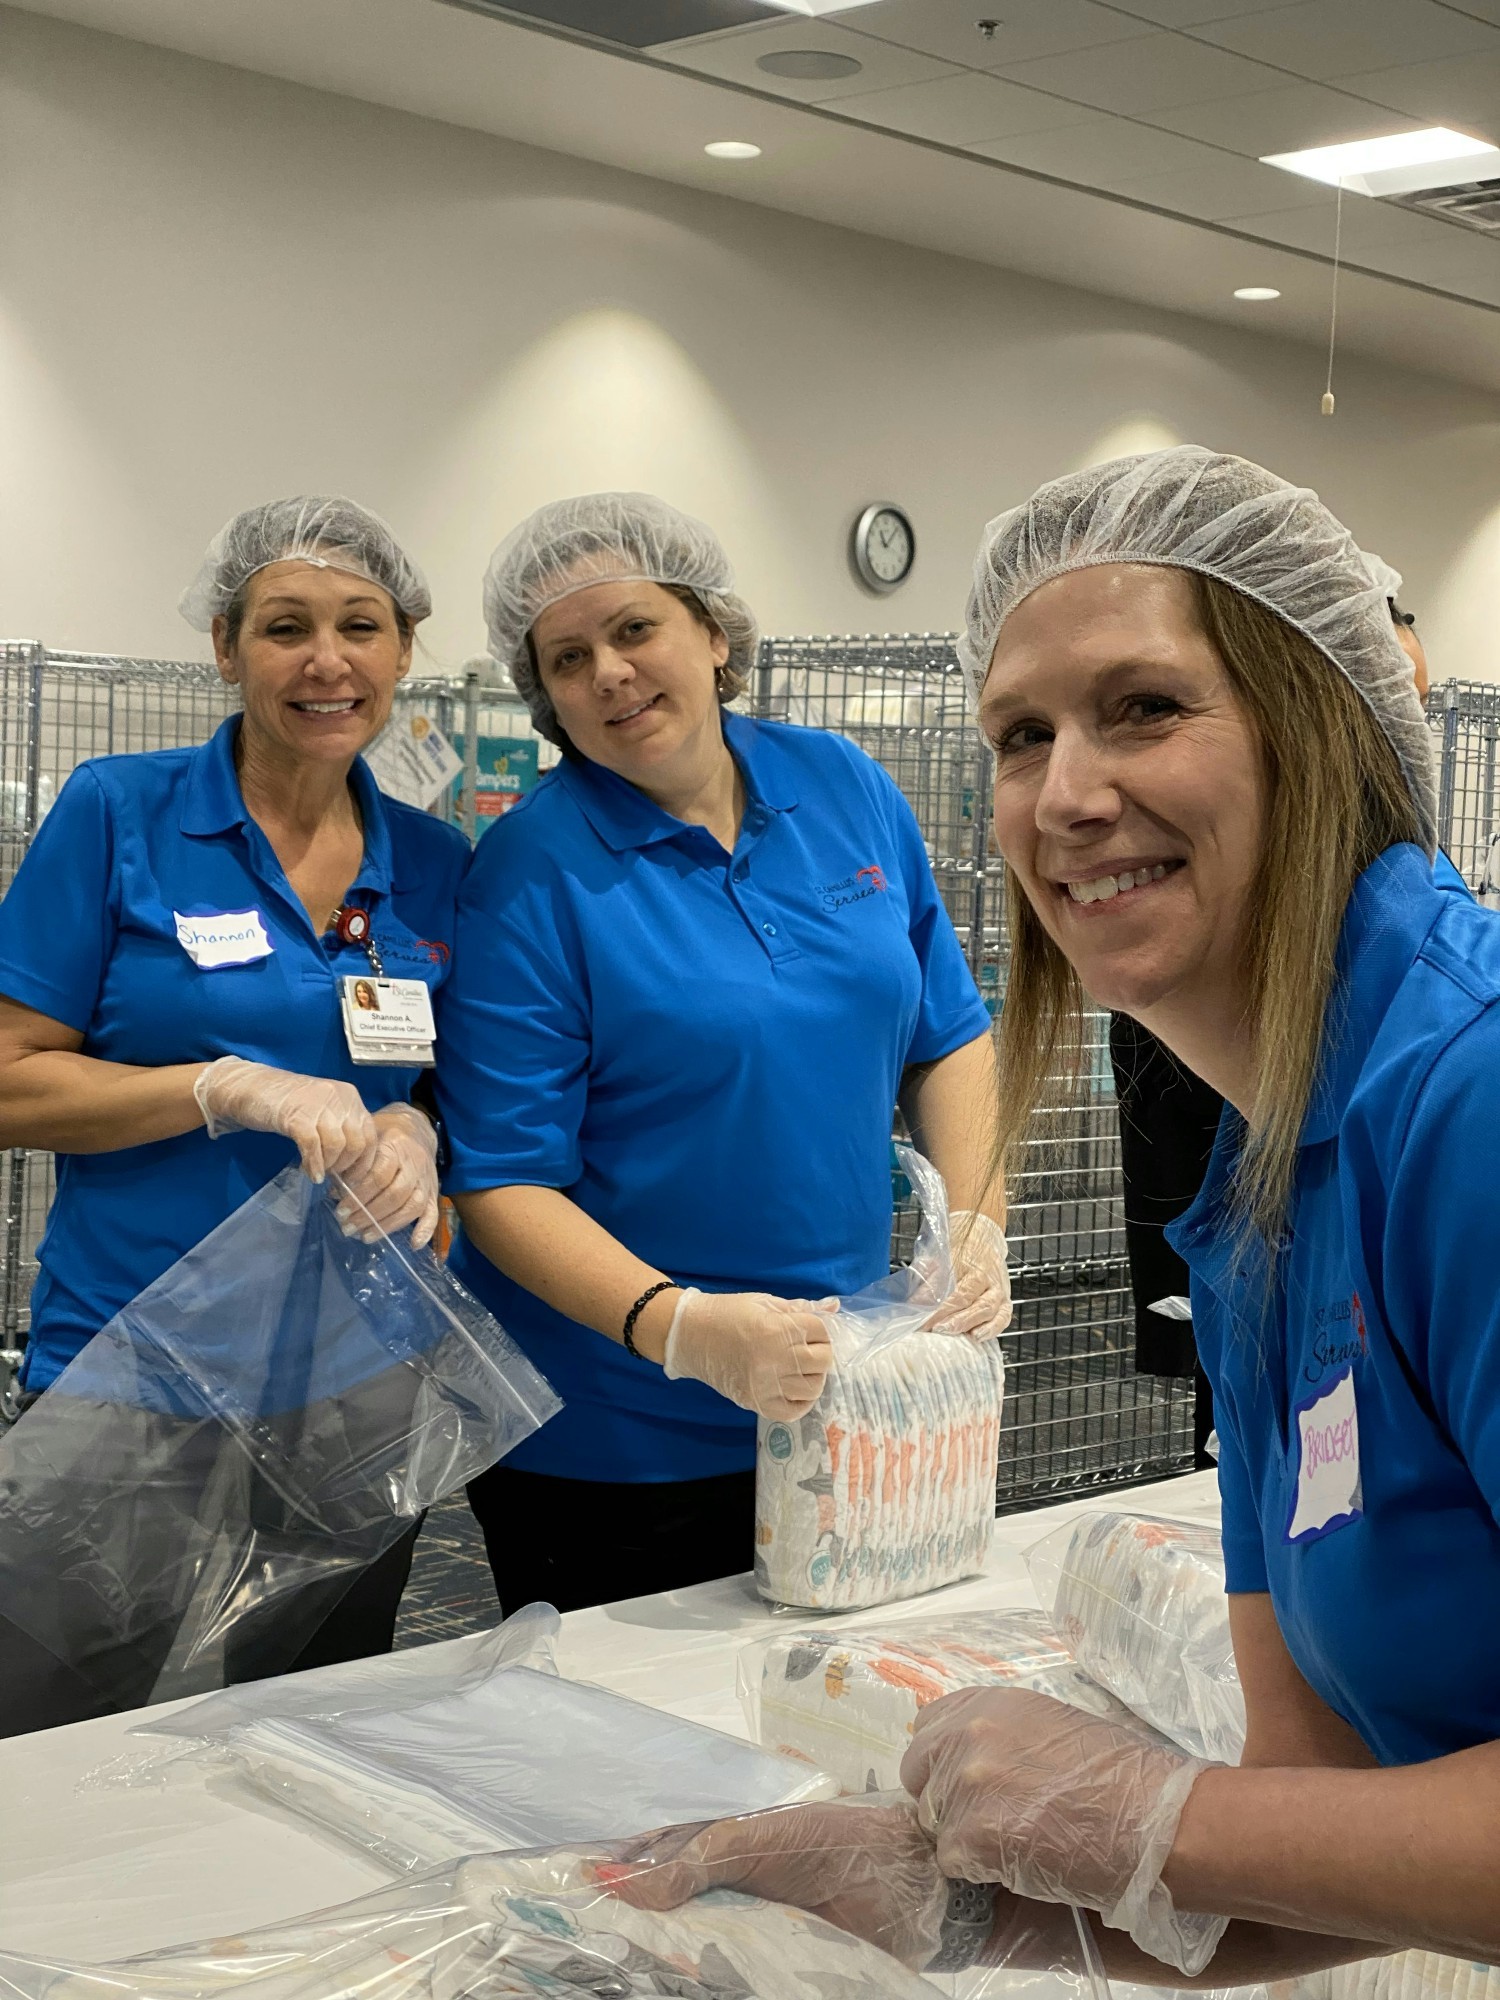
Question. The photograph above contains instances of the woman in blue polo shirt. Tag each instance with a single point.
(696, 968)
(172, 947)
(1216, 798)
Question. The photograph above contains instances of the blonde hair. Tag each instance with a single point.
(1335, 799)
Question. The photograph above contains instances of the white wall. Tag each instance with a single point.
(215, 288)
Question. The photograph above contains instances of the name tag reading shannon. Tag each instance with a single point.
(229, 937)
(1329, 1495)
(388, 1020)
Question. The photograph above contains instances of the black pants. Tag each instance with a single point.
(575, 1542)
(1168, 1119)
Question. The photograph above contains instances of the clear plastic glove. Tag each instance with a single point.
(979, 1304)
(865, 1866)
(400, 1184)
(326, 1121)
(768, 1355)
(1061, 1807)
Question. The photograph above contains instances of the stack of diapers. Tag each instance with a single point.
(847, 1701)
(1141, 1602)
(886, 1488)
(504, 1755)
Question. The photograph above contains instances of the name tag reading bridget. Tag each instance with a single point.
(387, 1020)
(1329, 1495)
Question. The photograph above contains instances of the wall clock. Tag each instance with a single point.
(883, 547)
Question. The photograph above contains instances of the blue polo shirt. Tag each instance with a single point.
(88, 936)
(702, 1050)
(1389, 1273)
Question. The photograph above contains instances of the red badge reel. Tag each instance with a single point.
(353, 926)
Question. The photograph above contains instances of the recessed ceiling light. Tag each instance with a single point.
(1399, 164)
(809, 65)
(814, 8)
(732, 149)
(1257, 292)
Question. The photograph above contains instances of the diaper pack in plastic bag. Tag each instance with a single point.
(566, 1923)
(452, 1750)
(193, 1495)
(848, 1701)
(886, 1487)
(1141, 1602)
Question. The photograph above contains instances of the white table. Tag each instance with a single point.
(102, 1872)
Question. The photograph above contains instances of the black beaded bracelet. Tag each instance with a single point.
(637, 1309)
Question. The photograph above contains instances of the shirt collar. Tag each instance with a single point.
(623, 817)
(215, 804)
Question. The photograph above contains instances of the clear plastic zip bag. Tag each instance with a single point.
(440, 1752)
(886, 1487)
(191, 1498)
(1141, 1602)
(611, 1923)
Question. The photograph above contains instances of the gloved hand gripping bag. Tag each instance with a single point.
(191, 1498)
(886, 1487)
(586, 1922)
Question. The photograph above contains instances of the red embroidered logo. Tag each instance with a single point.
(1359, 1323)
(872, 875)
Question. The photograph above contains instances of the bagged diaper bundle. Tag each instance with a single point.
(886, 1487)
(1141, 1602)
(847, 1701)
(544, 1926)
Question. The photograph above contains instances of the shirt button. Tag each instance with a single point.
(769, 929)
(742, 871)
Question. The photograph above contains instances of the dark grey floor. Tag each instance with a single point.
(451, 1590)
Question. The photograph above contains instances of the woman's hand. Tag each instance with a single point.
(979, 1304)
(768, 1355)
(326, 1121)
(399, 1185)
(1061, 1807)
(868, 1868)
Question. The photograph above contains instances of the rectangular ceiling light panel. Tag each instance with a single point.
(632, 24)
(1401, 164)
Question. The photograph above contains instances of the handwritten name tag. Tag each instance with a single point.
(1328, 1484)
(230, 937)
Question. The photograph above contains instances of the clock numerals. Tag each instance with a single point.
(884, 547)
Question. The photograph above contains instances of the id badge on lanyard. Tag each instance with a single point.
(386, 1021)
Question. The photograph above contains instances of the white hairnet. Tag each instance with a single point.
(327, 531)
(570, 545)
(1387, 580)
(1199, 510)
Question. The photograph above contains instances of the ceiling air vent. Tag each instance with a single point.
(1472, 205)
(633, 24)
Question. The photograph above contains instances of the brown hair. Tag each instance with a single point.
(1335, 799)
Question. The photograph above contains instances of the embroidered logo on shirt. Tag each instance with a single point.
(1340, 1337)
(853, 888)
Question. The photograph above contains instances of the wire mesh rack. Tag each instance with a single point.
(1077, 1414)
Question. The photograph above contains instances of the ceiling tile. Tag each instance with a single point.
(1324, 38)
(1150, 73)
(1464, 263)
(1098, 151)
(1025, 28)
(961, 109)
(1192, 13)
(1282, 121)
(1463, 91)
(734, 57)
(1369, 228)
(1219, 188)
